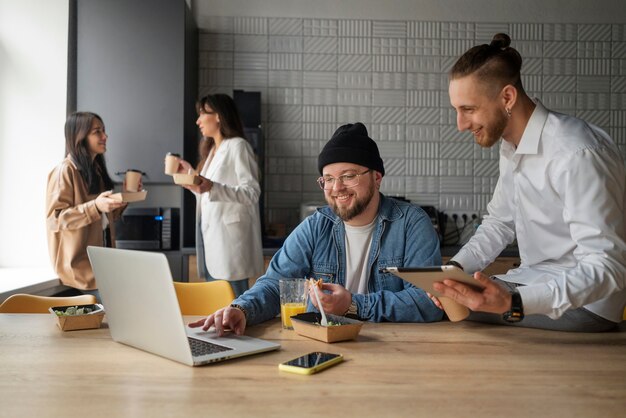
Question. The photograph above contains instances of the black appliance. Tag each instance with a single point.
(148, 229)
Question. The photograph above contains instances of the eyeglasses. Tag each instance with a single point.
(348, 180)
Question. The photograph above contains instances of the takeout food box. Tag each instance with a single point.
(130, 196)
(186, 178)
(74, 322)
(308, 325)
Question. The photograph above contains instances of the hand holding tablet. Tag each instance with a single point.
(424, 277)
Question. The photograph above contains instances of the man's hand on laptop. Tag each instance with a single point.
(223, 319)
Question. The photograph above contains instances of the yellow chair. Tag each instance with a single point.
(203, 298)
(23, 303)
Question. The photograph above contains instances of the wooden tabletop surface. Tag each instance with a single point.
(391, 370)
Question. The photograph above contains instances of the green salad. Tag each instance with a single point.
(73, 310)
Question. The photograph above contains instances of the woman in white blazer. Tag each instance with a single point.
(228, 224)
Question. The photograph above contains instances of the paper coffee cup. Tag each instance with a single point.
(455, 311)
(133, 177)
(172, 161)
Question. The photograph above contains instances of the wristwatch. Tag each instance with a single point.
(516, 313)
(353, 311)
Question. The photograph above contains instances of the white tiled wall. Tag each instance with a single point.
(317, 74)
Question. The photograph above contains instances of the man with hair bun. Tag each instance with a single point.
(560, 194)
(346, 244)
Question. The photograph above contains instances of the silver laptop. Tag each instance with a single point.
(142, 310)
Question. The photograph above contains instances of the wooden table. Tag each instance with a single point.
(392, 370)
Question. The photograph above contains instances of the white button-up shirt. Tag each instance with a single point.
(562, 194)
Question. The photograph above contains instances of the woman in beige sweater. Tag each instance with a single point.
(79, 209)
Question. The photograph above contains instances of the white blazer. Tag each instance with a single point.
(229, 213)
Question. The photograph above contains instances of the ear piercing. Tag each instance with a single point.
(508, 111)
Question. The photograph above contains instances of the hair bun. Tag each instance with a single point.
(500, 40)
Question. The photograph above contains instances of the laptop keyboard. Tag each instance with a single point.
(202, 348)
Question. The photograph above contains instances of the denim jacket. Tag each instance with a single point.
(403, 236)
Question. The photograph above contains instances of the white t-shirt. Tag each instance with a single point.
(358, 244)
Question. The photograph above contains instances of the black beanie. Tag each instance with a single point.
(351, 144)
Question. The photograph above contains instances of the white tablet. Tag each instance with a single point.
(424, 277)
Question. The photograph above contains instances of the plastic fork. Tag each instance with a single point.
(324, 321)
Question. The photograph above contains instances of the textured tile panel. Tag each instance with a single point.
(391, 149)
(593, 101)
(285, 61)
(285, 113)
(559, 101)
(351, 114)
(320, 27)
(423, 98)
(389, 46)
(320, 62)
(560, 32)
(355, 28)
(251, 25)
(424, 30)
(359, 80)
(251, 43)
(215, 59)
(424, 47)
(422, 133)
(387, 115)
(319, 96)
(355, 62)
(285, 95)
(319, 131)
(526, 31)
(319, 79)
(355, 46)
(285, 79)
(416, 184)
(389, 81)
(422, 116)
(594, 84)
(458, 30)
(285, 26)
(391, 29)
(588, 32)
(251, 61)
(386, 132)
(388, 97)
(354, 97)
(285, 43)
(250, 78)
(321, 44)
(319, 114)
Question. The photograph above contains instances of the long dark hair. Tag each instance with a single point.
(496, 64)
(230, 122)
(93, 171)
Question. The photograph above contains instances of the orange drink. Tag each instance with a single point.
(288, 310)
(293, 297)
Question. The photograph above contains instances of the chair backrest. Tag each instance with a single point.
(203, 298)
(23, 303)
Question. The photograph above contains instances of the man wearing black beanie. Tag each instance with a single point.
(347, 244)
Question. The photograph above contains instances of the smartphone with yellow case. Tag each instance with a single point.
(311, 363)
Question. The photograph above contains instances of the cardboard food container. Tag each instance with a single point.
(186, 178)
(74, 322)
(130, 196)
(308, 325)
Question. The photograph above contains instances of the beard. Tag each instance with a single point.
(491, 134)
(359, 205)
